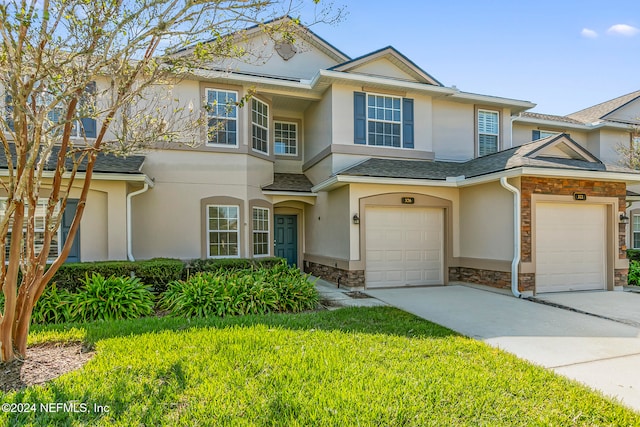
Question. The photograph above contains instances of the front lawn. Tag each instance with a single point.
(359, 366)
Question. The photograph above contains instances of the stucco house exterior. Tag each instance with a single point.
(369, 172)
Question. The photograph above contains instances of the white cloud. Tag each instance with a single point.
(623, 30)
(588, 33)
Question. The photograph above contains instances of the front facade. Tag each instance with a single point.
(370, 173)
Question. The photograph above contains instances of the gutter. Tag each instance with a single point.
(516, 236)
(129, 220)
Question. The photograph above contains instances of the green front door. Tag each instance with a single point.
(286, 234)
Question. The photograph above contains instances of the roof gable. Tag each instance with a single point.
(387, 62)
(605, 110)
(562, 147)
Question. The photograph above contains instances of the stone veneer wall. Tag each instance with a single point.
(343, 278)
(495, 279)
(566, 187)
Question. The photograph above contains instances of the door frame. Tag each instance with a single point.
(299, 220)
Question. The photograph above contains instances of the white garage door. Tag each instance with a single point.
(405, 246)
(570, 247)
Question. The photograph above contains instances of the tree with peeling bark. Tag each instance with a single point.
(82, 78)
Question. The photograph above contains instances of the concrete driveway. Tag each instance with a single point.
(600, 353)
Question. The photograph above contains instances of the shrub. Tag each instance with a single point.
(54, 306)
(111, 299)
(633, 254)
(241, 291)
(156, 272)
(634, 273)
(214, 264)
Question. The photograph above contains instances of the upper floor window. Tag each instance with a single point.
(383, 120)
(286, 138)
(488, 132)
(540, 134)
(222, 113)
(260, 126)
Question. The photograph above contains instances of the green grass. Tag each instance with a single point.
(360, 366)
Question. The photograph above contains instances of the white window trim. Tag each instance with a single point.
(497, 135)
(209, 116)
(209, 231)
(297, 138)
(267, 232)
(37, 230)
(266, 152)
(366, 106)
(633, 232)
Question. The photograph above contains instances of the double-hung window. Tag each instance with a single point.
(488, 132)
(384, 120)
(222, 111)
(260, 232)
(286, 138)
(260, 126)
(636, 232)
(223, 232)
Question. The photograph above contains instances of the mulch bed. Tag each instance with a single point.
(43, 363)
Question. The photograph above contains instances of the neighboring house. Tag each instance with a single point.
(606, 130)
(370, 173)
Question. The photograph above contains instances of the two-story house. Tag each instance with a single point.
(370, 173)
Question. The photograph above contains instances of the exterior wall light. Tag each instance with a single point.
(624, 219)
(356, 219)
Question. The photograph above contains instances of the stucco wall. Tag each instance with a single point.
(318, 126)
(328, 224)
(522, 133)
(486, 222)
(167, 219)
(453, 130)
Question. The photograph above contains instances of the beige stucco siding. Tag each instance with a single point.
(328, 225)
(167, 220)
(522, 133)
(611, 141)
(318, 126)
(453, 130)
(383, 67)
(486, 222)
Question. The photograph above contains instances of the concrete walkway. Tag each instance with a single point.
(600, 353)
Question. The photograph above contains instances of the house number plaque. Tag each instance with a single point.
(579, 196)
(408, 200)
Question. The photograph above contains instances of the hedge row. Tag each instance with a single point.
(157, 272)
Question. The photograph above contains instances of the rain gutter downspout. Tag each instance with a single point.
(516, 236)
(129, 221)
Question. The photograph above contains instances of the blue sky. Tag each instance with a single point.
(562, 55)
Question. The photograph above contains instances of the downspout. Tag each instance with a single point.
(516, 236)
(129, 221)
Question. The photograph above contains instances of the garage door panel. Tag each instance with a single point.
(407, 247)
(570, 247)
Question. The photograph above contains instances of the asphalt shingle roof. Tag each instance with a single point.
(503, 160)
(289, 182)
(105, 163)
(596, 112)
(552, 118)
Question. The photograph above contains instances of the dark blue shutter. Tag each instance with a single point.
(360, 117)
(89, 124)
(535, 135)
(8, 109)
(407, 123)
(67, 220)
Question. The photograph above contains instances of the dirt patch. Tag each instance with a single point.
(43, 363)
(357, 295)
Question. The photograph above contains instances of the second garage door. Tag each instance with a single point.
(404, 246)
(570, 247)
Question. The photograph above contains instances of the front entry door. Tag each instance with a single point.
(286, 234)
